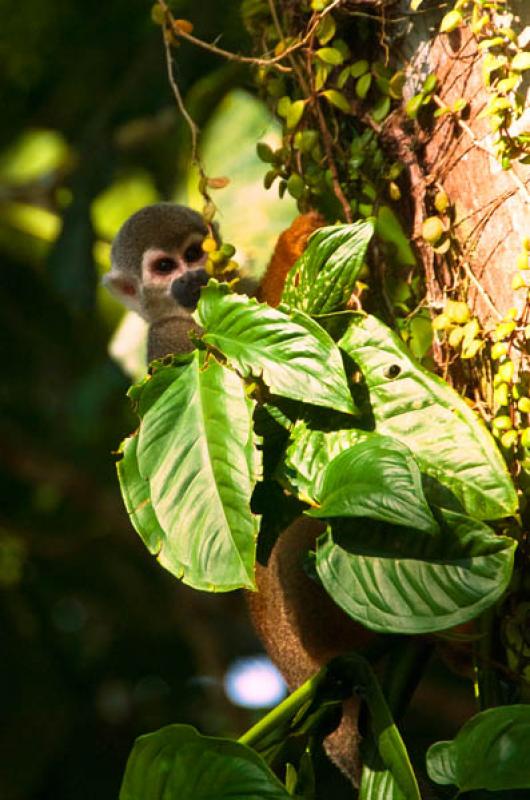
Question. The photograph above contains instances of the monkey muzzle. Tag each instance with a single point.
(186, 290)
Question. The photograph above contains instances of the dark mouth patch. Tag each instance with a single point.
(187, 289)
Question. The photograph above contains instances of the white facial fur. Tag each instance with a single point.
(151, 296)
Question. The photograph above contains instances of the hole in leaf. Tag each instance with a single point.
(392, 371)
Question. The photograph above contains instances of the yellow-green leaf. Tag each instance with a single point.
(359, 68)
(337, 99)
(294, 115)
(326, 29)
(451, 21)
(396, 84)
(363, 85)
(284, 104)
(330, 55)
(521, 62)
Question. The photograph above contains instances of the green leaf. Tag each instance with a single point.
(380, 109)
(376, 478)
(337, 99)
(283, 106)
(459, 105)
(295, 185)
(430, 83)
(521, 62)
(323, 278)
(451, 21)
(306, 140)
(489, 752)
(394, 580)
(310, 452)
(396, 84)
(359, 68)
(342, 47)
(177, 762)
(363, 84)
(378, 783)
(195, 449)
(322, 73)
(419, 328)
(330, 55)
(294, 113)
(137, 497)
(419, 409)
(325, 30)
(265, 152)
(413, 105)
(290, 352)
(342, 80)
(389, 229)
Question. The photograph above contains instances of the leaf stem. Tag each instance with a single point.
(285, 711)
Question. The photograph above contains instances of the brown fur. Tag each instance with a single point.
(303, 629)
(170, 335)
(164, 225)
(289, 247)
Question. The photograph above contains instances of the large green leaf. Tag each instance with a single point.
(419, 409)
(195, 450)
(137, 497)
(293, 355)
(377, 478)
(308, 455)
(489, 752)
(394, 580)
(324, 276)
(379, 784)
(176, 762)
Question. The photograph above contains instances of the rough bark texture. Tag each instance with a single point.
(492, 205)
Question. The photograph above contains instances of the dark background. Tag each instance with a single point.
(98, 643)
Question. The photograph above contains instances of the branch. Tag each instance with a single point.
(259, 62)
(194, 130)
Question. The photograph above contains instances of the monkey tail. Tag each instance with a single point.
(289, 247)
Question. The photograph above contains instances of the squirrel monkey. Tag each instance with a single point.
(157, 269)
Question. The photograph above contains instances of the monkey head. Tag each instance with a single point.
(157, 262)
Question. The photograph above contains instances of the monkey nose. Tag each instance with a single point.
(186, 290)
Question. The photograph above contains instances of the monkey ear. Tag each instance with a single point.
(124, 288)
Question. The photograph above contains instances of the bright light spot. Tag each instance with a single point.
(254, 682)
(34, 154)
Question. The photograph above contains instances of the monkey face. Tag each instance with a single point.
(158, 261)
(172, 278)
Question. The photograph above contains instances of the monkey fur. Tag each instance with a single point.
(300, 626)
(289, 247)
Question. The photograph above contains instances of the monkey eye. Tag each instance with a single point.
(193, 253)
(164, 266)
